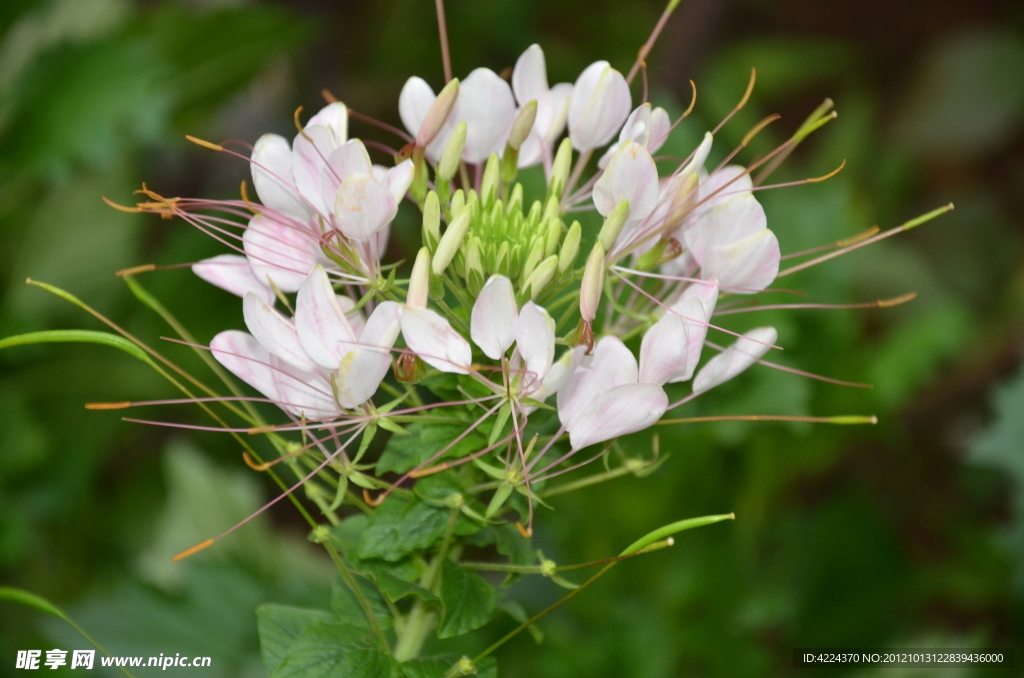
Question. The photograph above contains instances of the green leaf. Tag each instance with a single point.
(437, 667)
(348, 609)
(335, 651)
(279, 626)
(29, 599)
(401, 525)
(77, 336)
(395, 589)
(424, 441)
(467, 599)
(499, 423)
(498, 500)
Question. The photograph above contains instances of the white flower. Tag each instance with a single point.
(604, 397)
(292, 361)
(645, 126)
(484, 103)
(364, 201)
(631, 175)
(599, 104)
(530, 83)
(728, 234)
(426, 333)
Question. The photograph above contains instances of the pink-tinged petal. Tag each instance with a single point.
(725, 223)
(360, 374)
(378, 244)
(432, 338)
(356, 319)
(363, 207)
(530, 76)
(636, 128)
(304, 393)
(631, 175)
(535, 342)
(531, 152)
(334, 117)
(398, 180)
(695, 307)
(600, 103)
(559, 374)
(487, 106)
(700, 155)
(492, 324)
(283, 252)
(746, 266)
(272, 178)
(414, 102)
(610, 365)
(324, 332)
(744, 352)
(311, 150)
(382, 327)
(618, 412)
(243, 356)
(661, 125)
(663, 353)
(232, 272)
(732, 181)
(275, 332)
(348, 159)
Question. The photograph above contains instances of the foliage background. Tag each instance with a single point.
(910, 533)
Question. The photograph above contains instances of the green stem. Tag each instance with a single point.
(363, 603)
(421, 618)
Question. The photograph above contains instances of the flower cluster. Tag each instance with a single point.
(324, 221)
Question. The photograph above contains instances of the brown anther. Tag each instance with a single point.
(187, 552)
(588, 337)
(204, 144)
(525, 531)
(108, 406)
(328, 97)
(244, 190)
(419, 473)
(121, 208)
(506, 73)
(370, 500)
(673, 249)
(255, 430)
(253, 465)
(298, 125)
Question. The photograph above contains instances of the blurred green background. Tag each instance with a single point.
(910, 533)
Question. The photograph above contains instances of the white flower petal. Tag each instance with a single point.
(661, 125)
(363, 207)
(324, 332)
(535, 342)
(310, 151)
(492, 323)
(487, 106)
(304, 393)
(272, 178)
(663, 353)
(745, 266)
(610, 365)
(631, 175)
(280, 251)
(382, 327)
(725, 223)
(398, 180)
(432, 338)
(414, 102)
(275, 332)
(620, 411)
(232, 272)
(334, 117)
(245, 358)
(530, 76)
(356, 319)
(600, 103)
(746, 351)
(359, 376)
(346, 160)
(559, 373)
(695, 307)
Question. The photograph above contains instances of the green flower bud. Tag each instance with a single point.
(533, 258)
(541, 276)
(613, 224)
(570, 247)
(592, 283)
(560, 168)
(448, 165)
(419, 281)
(451, 241)
(438, 113)
(458, 201)
(489, 183)
(522, 125)
(431, 221)
(553, 235)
